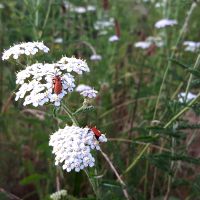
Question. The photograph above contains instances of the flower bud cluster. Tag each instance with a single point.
(86, 91)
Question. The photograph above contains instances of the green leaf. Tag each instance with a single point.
(195, 72)
(145, 139)
(175, 61)
(167, 132)
(84, 109)
(32, 179)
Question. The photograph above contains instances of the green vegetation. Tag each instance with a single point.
(151, 126)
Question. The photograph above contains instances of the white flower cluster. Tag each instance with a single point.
(113, 38)
(28, 48)
(73, 64)
(148, 42)
(37, 81)
(72, 147)
(36, 84)
(191, 46)
(165, 22)
(104, 24)
(79, 9)
(95, 57)
(58, 195)
(2, 6)
(182, 96)
(58, 40)
(46, 83)
(86, 91)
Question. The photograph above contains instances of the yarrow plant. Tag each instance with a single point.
(41, 84)
(72, 147)
(36, 81)
(48, 83)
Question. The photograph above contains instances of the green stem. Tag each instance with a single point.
(46, 18)
(91, 182)
(75, 122)
(68, 111)
(181, 35)
(137, 158)
(191, 76)
(36, 18)
(182, 111)
(166, 126)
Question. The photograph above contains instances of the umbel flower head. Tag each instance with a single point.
(165, 22)
(37, 81)
(86, 91)
(58, 195)
(191, 46)
(72, 147)
(148, 42)
(183, 97)
(28, 48)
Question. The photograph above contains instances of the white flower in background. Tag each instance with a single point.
(78, 9)
(158, 5)
(148, 42)
(113, 38)
(58, 40)
(191, 46)
(67, 4)
(182, 96)
(28, 48)
(142, 44)
(58, 195)
(155, 40)
(95, 57)
(102, 32)
(73, 64)
(91, 8)
(72, 147)
(1, 6)
(82, 10)
(104, 24)
(86, 91)
(165, 22)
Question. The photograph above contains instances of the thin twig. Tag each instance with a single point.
(117, 175)
(57, 180)
(138, 142)
(9, 195)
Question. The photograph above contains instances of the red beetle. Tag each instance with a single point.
(57, 84)
(96, 132)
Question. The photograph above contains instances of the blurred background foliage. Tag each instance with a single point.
(128, 81)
